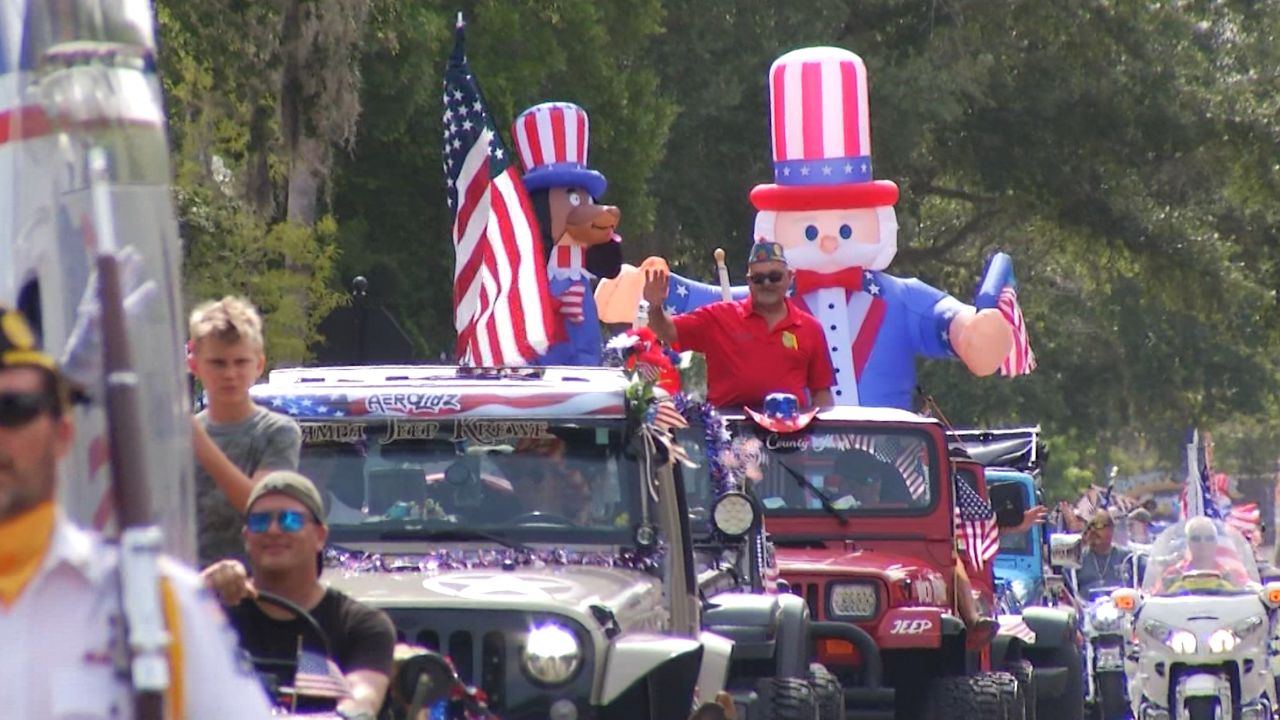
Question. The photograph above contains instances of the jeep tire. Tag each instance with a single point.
(979, 696)
(786, 699)
(827, 693)
(1025, 673)
(1015, 699)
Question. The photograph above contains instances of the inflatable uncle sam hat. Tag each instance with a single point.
(551, 140)
(821, 133)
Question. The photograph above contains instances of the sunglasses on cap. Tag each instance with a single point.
(19, 408)
(773, 276)
(290, 521)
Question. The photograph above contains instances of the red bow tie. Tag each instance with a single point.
(849, 278)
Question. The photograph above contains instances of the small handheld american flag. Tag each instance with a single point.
(501, 308)
(319, 676)
(999, 289)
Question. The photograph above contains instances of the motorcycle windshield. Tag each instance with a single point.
(1200, 556)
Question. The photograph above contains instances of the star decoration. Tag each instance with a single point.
(786, 171)
(848, 169)
(476, 106)
(804, 170)
(682, 291)
(670, 309)
(457, 143)
(466, 125)
(863, 166)
(874, 289)
(826, 169)
(457, 95)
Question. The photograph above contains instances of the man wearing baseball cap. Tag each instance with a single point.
(60, 585)
(284, 536)
(757, 346)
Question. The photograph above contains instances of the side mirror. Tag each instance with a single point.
(1125, 599)
(1008, 502)
(1271, 595)
(1066, 550)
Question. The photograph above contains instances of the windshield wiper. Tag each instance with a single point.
(454, 533)
(823, 498)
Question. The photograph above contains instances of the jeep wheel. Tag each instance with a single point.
(980, 696)
(827, 693)
(1015, 698)
(786, 699)
(1025, 673)
(1070, 704)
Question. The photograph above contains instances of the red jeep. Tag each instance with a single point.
(860, 507)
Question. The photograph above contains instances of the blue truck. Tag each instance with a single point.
(1035, 625)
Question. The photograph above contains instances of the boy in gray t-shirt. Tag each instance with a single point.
(236, 441)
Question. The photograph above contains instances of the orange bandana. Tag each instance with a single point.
(24, 540)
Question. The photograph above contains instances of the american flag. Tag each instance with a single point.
(667, 417)
(501, 309)
(1020, 360)
(999, 290)
(1246, 519)
(906, 454)
(975, 525)
(1015, 626)
(1197, 494)
(319, 676)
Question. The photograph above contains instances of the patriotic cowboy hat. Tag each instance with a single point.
(821, 134)
(782, 414)
(551, 140)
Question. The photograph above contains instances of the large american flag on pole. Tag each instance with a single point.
(501, 308)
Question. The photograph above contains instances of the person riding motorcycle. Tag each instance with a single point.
(1207, 565)
(1102, 565)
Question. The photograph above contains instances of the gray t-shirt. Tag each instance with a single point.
(264, 441)
(1105, 570)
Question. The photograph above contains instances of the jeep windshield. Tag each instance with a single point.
(840, 470)
(504, 481)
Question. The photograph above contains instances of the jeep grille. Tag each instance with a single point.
(486, 648)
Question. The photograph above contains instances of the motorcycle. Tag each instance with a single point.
(1106, 628)
(1201, 628)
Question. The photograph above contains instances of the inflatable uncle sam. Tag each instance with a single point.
(839, 230)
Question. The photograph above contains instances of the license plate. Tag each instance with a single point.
(1110, 658)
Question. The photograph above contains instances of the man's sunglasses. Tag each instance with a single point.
(290, 521)
(775, 276)
(1202, 538)
(19, 408)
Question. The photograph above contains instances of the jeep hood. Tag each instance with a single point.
(848, 563)
(634, 598)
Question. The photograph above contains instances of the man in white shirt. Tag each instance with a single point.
(59, 589)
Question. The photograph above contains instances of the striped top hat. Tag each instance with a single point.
(821, 133)
(551, 140)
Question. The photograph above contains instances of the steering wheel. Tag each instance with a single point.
(261, 664)
(542, 518)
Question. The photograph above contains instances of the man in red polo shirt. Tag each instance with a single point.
(760, 345)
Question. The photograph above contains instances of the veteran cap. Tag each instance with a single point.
(766, 251)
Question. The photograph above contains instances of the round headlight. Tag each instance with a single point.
(733, 514)
(1222, 640)
(1182, 642)
(551, 654)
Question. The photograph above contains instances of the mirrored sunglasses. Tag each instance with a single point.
(774, 276)
(19, 408)
(1202, 538)
(290, 521)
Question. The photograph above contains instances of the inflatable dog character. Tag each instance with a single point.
(551, 139)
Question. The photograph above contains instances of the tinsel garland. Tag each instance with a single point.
(437, 561)
(716, 441)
